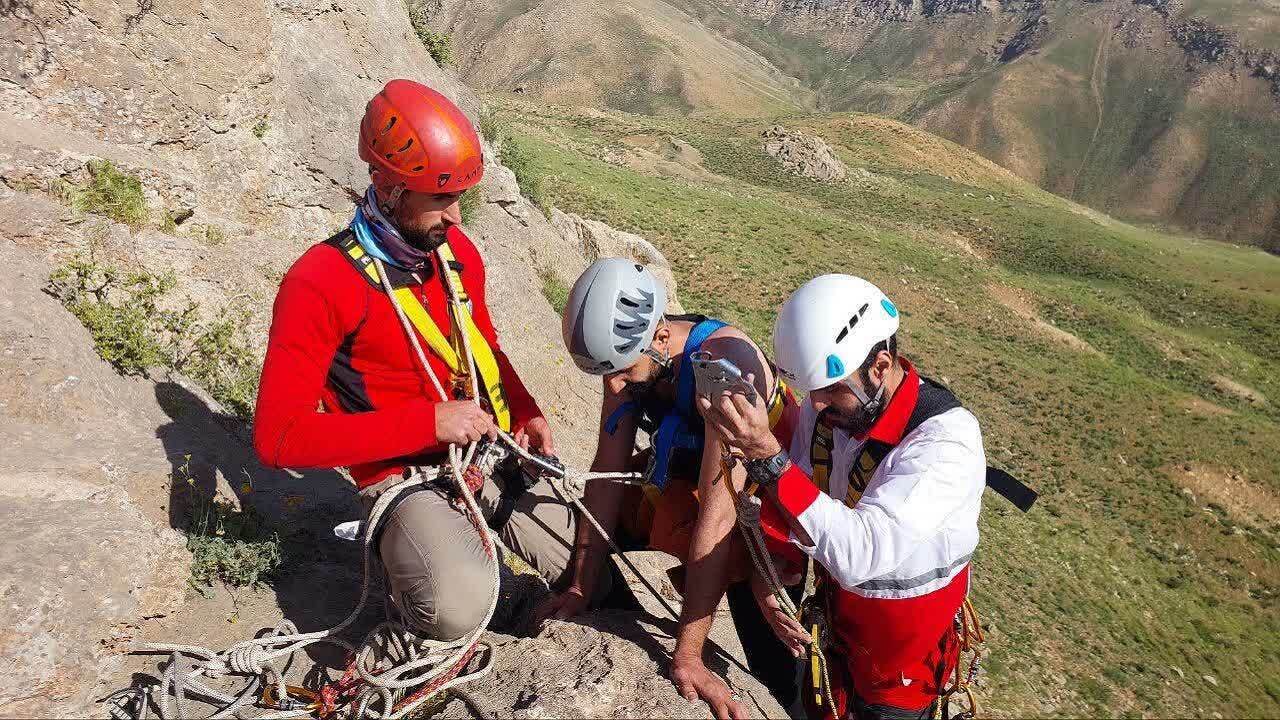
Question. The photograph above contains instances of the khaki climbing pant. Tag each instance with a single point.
(437, 574)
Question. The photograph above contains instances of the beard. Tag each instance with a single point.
(856, 423)
(425, 238)
(647, 389)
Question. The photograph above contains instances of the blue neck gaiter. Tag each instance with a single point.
(379, 237)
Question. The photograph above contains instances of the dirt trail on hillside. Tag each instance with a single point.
(1097, 79)
(1022, 305)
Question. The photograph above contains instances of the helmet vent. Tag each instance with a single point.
(390, 124)
(418, 169)
(632, 319)
(407, 144)
(853, 322)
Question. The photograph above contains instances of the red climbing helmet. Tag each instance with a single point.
(421, 139)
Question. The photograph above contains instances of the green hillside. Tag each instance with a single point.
(1129, 375)
(1102, 104)
(1113, 103)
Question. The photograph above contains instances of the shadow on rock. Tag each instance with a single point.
(223, 499)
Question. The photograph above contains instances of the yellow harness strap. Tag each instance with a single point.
(483, 357)
(485, 360)
(778, 402)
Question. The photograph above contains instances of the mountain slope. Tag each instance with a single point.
(1140, 108)
(1129, 375)
(642, 56)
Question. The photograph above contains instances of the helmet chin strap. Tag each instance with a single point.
(663, 361)
(393, 200)
(872, 405)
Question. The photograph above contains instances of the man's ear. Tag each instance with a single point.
(385, 189)
(881, 367)
(663, 334)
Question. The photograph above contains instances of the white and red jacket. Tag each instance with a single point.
(896, 551)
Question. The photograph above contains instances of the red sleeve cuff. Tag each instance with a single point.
(795, 491)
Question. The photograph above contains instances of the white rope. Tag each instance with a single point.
(256, 658)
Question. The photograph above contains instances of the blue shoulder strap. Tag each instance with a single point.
(684, 383)
(615, 418)
(681, 428)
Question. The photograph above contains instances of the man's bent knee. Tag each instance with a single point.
(440, 579)
(451, 611)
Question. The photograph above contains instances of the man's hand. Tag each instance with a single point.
(460, 422)
(693, 680)
(536, 435)
(788, 629)
(560, 606)
(743, 424)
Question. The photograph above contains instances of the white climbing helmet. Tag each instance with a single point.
(613, 312)
(827, 328)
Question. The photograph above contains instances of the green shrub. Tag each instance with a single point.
(135, 330)
(554, 290)
(517, 156)
(109, 191)
(260, 128)
(226, 544)
(493, 128)
(469, 203)
(119, 310)
(214, 235)
(438, 44)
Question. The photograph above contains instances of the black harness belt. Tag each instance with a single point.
(936, 399)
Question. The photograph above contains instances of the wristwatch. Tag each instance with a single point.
(766, 471)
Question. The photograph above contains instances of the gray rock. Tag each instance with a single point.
(89, 560)
(804, 155)
(607, 665)
(593, 240)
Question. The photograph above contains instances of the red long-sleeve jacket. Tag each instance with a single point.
(336, 344)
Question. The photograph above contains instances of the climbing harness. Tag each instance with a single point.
(670, 430)
(393, 671)
(396, 284)
(934, 399)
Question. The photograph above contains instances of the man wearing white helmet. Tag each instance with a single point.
(614, 326)
(882, 488)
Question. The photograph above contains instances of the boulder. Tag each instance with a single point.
(593, 240)
(804, 155)
(610, 664)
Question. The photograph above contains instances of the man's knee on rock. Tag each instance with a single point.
(453, 609)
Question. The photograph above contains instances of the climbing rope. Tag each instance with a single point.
(748, 506)
(970, 638)
(391, 659)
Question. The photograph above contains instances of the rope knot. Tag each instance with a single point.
(249, 660)
(573, 486)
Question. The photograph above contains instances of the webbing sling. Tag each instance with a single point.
(486, 362)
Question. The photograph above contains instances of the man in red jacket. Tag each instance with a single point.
(340, 342)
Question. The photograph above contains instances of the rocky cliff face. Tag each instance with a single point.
(239, 119)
